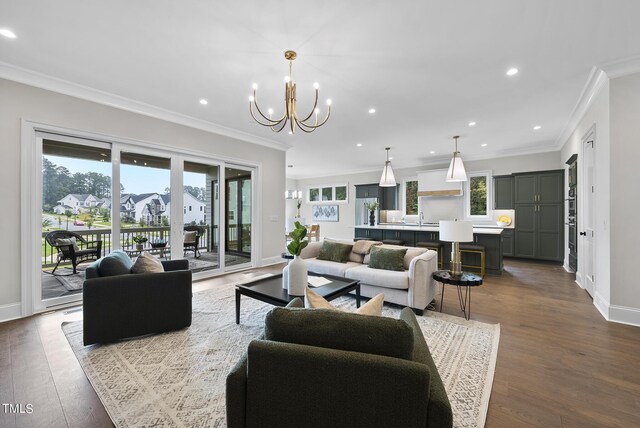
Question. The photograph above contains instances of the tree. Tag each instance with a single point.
(196, 192)
(68, 214)
(89, 223)
(478, 195)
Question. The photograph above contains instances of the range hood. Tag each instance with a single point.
(433, 183)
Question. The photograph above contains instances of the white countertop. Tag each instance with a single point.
(480, 229)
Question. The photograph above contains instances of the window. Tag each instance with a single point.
(478, 189)
(411, 196)
(329, 193)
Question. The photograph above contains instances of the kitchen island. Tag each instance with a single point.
(490, 237)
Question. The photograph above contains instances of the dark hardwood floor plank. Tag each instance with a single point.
(6, 376)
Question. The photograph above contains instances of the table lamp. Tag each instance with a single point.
(455, 231)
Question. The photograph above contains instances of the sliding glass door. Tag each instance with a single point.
(238, 204)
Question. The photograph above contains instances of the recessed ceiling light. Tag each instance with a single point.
(372, 110)
(359, 144)
(204, 102)
(432, 152)
(472, 124)
(483, 145)
(512, 71)
(7, 33)
(537, 127)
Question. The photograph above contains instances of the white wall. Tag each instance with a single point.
(625, 197)
(344, 228)
(18, 101)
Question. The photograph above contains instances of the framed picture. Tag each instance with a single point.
(325, 213)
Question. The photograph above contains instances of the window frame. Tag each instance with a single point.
(321, 188)
(404, 197)
(488, 174)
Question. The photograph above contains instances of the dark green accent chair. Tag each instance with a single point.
(309, 371)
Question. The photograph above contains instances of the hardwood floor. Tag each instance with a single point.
(560, 364)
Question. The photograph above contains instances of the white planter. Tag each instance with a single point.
(285, 277)
(297, 276)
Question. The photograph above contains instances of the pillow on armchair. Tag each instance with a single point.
(116, 263)
(190, 237)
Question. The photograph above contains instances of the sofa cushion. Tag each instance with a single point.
(325, 267)
(116, 263)
(412, 253)
(147, 263)
(387, 258)
(335, 251)
(371, 307)
(364, 246)
(379, 277)
(328, 328)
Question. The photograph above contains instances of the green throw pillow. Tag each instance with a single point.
(335, 252)
(387, 258)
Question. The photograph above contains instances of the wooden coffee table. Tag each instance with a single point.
(269, 290)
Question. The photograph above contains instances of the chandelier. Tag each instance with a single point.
(290, 114)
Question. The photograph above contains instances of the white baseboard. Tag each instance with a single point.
(624, 315)
(567, 268)
(10, 311)
(579, 279)
(272, 261)
(602, 305)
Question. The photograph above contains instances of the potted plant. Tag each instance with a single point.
(294, 275)
(139, 240)
(372, 207)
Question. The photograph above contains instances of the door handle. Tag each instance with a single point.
(583, 233)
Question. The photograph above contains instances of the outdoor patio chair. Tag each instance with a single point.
(191, 242)
(73, 247)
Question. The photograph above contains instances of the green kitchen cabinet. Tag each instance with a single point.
(508, 241)
(545, 187)
(370, 234)
(503, 192)
(388, 197)
(539, 231)
(367, 191)
(408, 237)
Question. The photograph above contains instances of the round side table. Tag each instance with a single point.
(467, 279)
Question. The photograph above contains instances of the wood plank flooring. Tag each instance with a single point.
(560, 364)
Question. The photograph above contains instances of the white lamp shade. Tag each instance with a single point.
(387, 179)
(456, 231)
(456, 170)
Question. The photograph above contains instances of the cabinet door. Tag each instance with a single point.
(388, 198)
(550, 187)
(361, 191)
(361, 233)
(375, 234)
(409, 237)
(493, 251)
(526, 189)
(550, 235)
(503, 193)
(507, 242)
(525, 230)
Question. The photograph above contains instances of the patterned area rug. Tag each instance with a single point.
(177, 379)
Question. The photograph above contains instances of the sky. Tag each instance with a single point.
(135, 179)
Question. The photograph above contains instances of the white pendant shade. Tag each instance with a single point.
(387, 179)
(456, 170)
(456, 231)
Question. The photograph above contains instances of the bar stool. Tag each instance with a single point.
(392, 242)
(473, 249)
(436, 246)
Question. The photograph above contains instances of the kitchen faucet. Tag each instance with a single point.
(421, 219)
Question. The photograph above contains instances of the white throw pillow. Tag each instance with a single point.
(372, 307)
(69, 241)
(190, 237)
(147, 263)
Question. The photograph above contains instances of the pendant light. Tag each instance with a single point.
(456, 167)
(387, 179)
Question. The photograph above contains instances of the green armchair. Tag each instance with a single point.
(326, 368)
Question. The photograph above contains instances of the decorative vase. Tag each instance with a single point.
(297, 276)
(372, 218)
(139, 247)
(285, 277)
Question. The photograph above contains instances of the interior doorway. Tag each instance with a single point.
(587, 230)
(238, 215)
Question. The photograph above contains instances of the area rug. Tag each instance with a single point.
(70, 281)
(177, 379)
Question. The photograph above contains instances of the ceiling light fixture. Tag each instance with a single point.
(290, 114)
(204, 102)
(512, 71)
(7, 33)
(372, 110)
(537, 127)
(387, 179)
(456, 170)
(483, 145)
(472, 124)
(359, 145)
(432, 152)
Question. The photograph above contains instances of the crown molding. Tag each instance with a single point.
(54, 84)
(622, 67)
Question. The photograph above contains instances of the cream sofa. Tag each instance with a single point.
(414, 287)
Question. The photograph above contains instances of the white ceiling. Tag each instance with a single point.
(427, 67)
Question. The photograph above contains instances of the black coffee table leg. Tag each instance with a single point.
(358, 295)
(442, 297)
(237, 306)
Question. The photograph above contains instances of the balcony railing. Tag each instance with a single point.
(153, 234)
